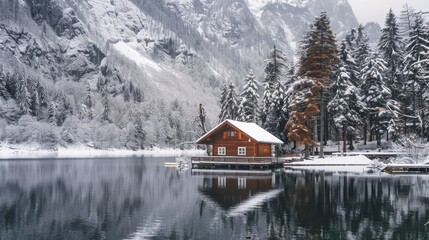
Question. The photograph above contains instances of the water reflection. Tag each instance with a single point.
(229, 188)
(141, 199)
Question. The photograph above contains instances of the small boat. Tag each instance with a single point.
(180, 163)
(171, 164)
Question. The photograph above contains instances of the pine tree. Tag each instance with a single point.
(375, 94)
(63, 108)
(51, 113)
(350, 39)
(42, 95)
(89, 102)
(106, 104)
(416, 67)
(348, 62)
(318, 63)
(229, 108)
(3, 91)
(140, 132)
(12, 84)
(276, 120)
(302, 99)
(346, 107)
(126, 94)
(249, 108)
(361, 49)
(275, 68)
(222, 103)
(390, 48)
(406, 21)
(34, 98)
(24, 97)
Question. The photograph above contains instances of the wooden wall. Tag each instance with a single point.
(231, 142)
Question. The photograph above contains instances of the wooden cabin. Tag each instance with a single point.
(239, 139)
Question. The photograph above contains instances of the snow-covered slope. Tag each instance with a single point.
(164, 51)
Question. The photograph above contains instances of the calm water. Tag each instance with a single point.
(142, 199)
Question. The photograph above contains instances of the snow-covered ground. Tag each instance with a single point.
(355, 164)
(335, 161)
(31, 152)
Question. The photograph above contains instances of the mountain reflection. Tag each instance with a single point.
(141, 199)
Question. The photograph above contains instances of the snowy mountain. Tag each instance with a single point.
(374, 32)
(140, 57)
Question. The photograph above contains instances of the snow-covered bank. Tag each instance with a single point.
(30, 152)
(334, 161)
(355, 164)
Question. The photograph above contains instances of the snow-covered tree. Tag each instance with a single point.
(51, 113)
(35, 105)
(318, 63)
(348, 62)
(126, 94)
(406, 21)
(137, 135)
(302, 98)
(390, 47)
(249, 106)
(24, 97)
(361, 49)
(416, 67)
(106, 107)
(375, 94)
(3, 91)
(346, 108)
(89, 102)
(275, 68)
(229, 108)
(222, 102)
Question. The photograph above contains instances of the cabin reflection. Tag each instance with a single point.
(230, 188)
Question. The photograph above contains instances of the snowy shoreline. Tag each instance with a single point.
(29, 152)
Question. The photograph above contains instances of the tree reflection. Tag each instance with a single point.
(141, 199)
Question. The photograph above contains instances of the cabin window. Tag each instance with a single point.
(221, 151)
(232, 134)
(242, 151)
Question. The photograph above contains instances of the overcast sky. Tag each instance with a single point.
(376, 10)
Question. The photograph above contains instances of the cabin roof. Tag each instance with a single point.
(251, 129)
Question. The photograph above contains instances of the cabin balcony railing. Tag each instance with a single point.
(235, 159)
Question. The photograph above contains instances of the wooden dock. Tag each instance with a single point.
(372, 154)
(407, 169)
(227, 162)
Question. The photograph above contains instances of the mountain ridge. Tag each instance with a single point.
(142, 55)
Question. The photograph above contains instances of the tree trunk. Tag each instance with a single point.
(322, 124)
(306, 152)
(370, 131)
(327, 128)
(365, 129)
(378, 136)
(344, 139)
(351, 148)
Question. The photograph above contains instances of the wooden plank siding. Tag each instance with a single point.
(231, 138)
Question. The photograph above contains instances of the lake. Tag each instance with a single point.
(139, 198)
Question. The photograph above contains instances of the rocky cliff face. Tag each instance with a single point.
(152, 50)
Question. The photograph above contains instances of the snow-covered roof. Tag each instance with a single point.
(251, 129)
